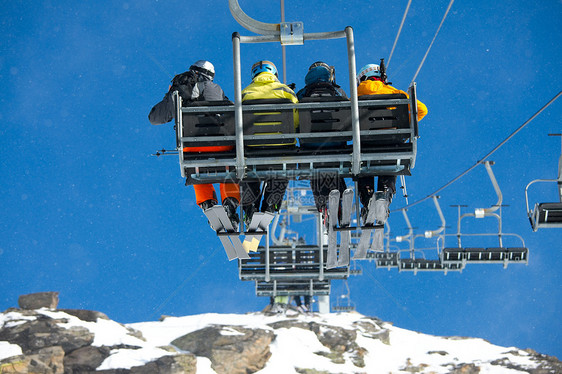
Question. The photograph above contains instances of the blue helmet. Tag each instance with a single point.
(369, 70)
(264, 66)
(320, 72)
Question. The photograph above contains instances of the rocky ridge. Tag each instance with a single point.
(59, 341)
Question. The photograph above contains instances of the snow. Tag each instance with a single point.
(12, 319)
(127, 358)
(106, 332)
(9, 350)
(295, 348)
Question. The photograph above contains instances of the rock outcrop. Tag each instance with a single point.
(231, 349)
(49, 300)
(53, 342)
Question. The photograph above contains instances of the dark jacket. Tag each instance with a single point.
(191, 89)
(321, 89)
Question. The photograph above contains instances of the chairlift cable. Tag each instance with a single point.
(483, 158)
(398, 34)
(434, 37)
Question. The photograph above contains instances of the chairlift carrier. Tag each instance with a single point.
(546, 215)
(382, 131)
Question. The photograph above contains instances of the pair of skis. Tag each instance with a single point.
(257, 228)
(230, 236)
(333, 260)
(377, 215)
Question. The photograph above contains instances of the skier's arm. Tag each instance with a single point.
(163, 112)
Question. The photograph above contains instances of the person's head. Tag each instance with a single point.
(204, 70)
(320, 72)
(263, 67)
(369, 71)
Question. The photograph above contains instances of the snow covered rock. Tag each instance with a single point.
(231, 349)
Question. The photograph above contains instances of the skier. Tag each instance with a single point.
(197, 84)
(303, 308)
(265, 85)
(320, 81)
(372, 81)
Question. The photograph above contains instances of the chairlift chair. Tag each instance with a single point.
(459, 256)
(546, 215)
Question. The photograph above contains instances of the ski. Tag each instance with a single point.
(378, 239)
(347, 204)
(230, 231)
(216, 225)
(366, 230)
(381, 208)
(258, 226)
(333, 208)
(381, 215)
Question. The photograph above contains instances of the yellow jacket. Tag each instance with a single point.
(371, 87)
(267, 86)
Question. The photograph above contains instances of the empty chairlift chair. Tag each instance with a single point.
(546, 215)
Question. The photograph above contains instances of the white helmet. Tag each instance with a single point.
(369, 70)
(204, 67)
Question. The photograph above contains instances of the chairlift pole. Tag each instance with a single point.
(356, 162)
(495, 207)
(283, 51)
(559, 167)
(240, 167)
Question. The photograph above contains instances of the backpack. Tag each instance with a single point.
(184, 84)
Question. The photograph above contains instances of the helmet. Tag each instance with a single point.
(320, 72)
(263, 66)
(203, 67)
(369, 70)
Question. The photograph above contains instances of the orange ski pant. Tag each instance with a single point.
(204, 192)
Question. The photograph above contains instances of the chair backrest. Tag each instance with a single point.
(324, 120)
(268, 122)
(209, 123)
(377, 116)
(381, 116)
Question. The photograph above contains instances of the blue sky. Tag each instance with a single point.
(88, 212)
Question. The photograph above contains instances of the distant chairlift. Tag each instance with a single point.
(291, 267)
(454, 258)
(546, 215)
(460, 256)
(343, 302)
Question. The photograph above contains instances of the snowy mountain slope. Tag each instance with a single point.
(256, 342)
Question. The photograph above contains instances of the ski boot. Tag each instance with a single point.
(208, 204)
(230, 206)
(382, 204)
(248, 212)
